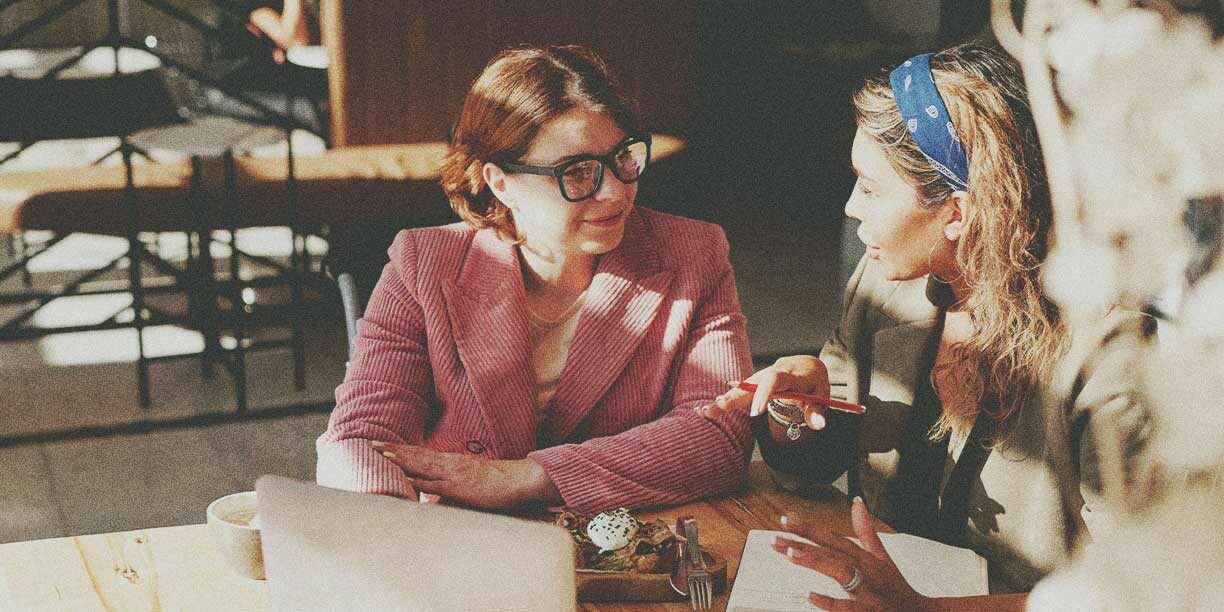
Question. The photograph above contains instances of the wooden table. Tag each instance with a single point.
(178, 569)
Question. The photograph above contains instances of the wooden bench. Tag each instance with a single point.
(340, 185)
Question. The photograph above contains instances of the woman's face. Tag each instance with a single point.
(898, 233)
(552, 225)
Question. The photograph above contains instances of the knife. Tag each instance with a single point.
(679, 575)
(692, 547)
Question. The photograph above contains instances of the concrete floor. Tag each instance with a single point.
(134, 480)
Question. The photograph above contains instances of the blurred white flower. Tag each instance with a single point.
(1190, 126)
(1073, 47)
(1145, 133)
(1168, 560)
(1202, 311)
(1100, 58)
(1184, 387)
(1081, 277)
(1131, 31)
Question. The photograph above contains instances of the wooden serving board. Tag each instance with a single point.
(594, 586)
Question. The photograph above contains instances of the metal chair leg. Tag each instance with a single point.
(237, 305)
(205, 270)
(134, 277)
(297, 274)
(23, 247)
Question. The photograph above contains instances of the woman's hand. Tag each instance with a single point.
(498, 484)
(800, 373)
(881, 586)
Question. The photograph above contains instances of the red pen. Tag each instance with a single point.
(809, 398)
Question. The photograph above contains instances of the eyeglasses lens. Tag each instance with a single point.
(631, 161)
(581, 179)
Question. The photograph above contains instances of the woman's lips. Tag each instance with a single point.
(873, 251)
(609, 221)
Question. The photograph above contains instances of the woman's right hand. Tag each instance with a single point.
(799, 373)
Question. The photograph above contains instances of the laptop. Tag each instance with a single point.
(327, 550)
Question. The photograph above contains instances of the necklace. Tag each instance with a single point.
(543, 323)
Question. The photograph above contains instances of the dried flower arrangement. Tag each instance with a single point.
(1129, 104)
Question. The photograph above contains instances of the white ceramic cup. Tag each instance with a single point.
(229, 521)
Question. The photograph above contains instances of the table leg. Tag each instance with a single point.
(237, 304)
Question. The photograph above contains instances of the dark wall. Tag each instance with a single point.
(775, 101)
(410, 86)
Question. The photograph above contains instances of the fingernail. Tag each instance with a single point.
(791, 552)
(784, 519)
(858, 500)
(388, 454)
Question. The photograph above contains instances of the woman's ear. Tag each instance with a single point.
(495, 178)
(956, 212)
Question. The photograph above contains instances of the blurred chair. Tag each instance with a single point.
(356, 256)
(352, 309)
(85, 106)
(352, 190)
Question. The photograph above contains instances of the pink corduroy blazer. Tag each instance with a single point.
(443, 360)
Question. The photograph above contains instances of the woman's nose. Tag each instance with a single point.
(611, 187)
(852, 208)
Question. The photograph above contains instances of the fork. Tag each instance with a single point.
(700, 582)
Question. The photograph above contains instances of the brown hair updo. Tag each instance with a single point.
(517, 93)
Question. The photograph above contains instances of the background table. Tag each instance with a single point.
(178, 568)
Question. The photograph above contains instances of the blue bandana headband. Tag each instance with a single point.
(928, 121)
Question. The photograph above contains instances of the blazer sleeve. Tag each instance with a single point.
(681, 456)
(384, 393)
(825, 457)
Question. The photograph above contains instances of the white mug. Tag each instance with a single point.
(229, 520)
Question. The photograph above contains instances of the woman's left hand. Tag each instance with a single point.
(881, 587)
(479, 482)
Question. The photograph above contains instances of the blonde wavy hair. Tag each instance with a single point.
(1018, 335)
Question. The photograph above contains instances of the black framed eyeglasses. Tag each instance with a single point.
(580, 178)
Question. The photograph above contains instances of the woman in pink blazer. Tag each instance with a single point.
(552, 347)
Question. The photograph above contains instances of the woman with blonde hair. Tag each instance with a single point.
(949, 343)
(552, 346)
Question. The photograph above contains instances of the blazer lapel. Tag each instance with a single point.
(621, 303)
(898, 362)
(487, 309)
